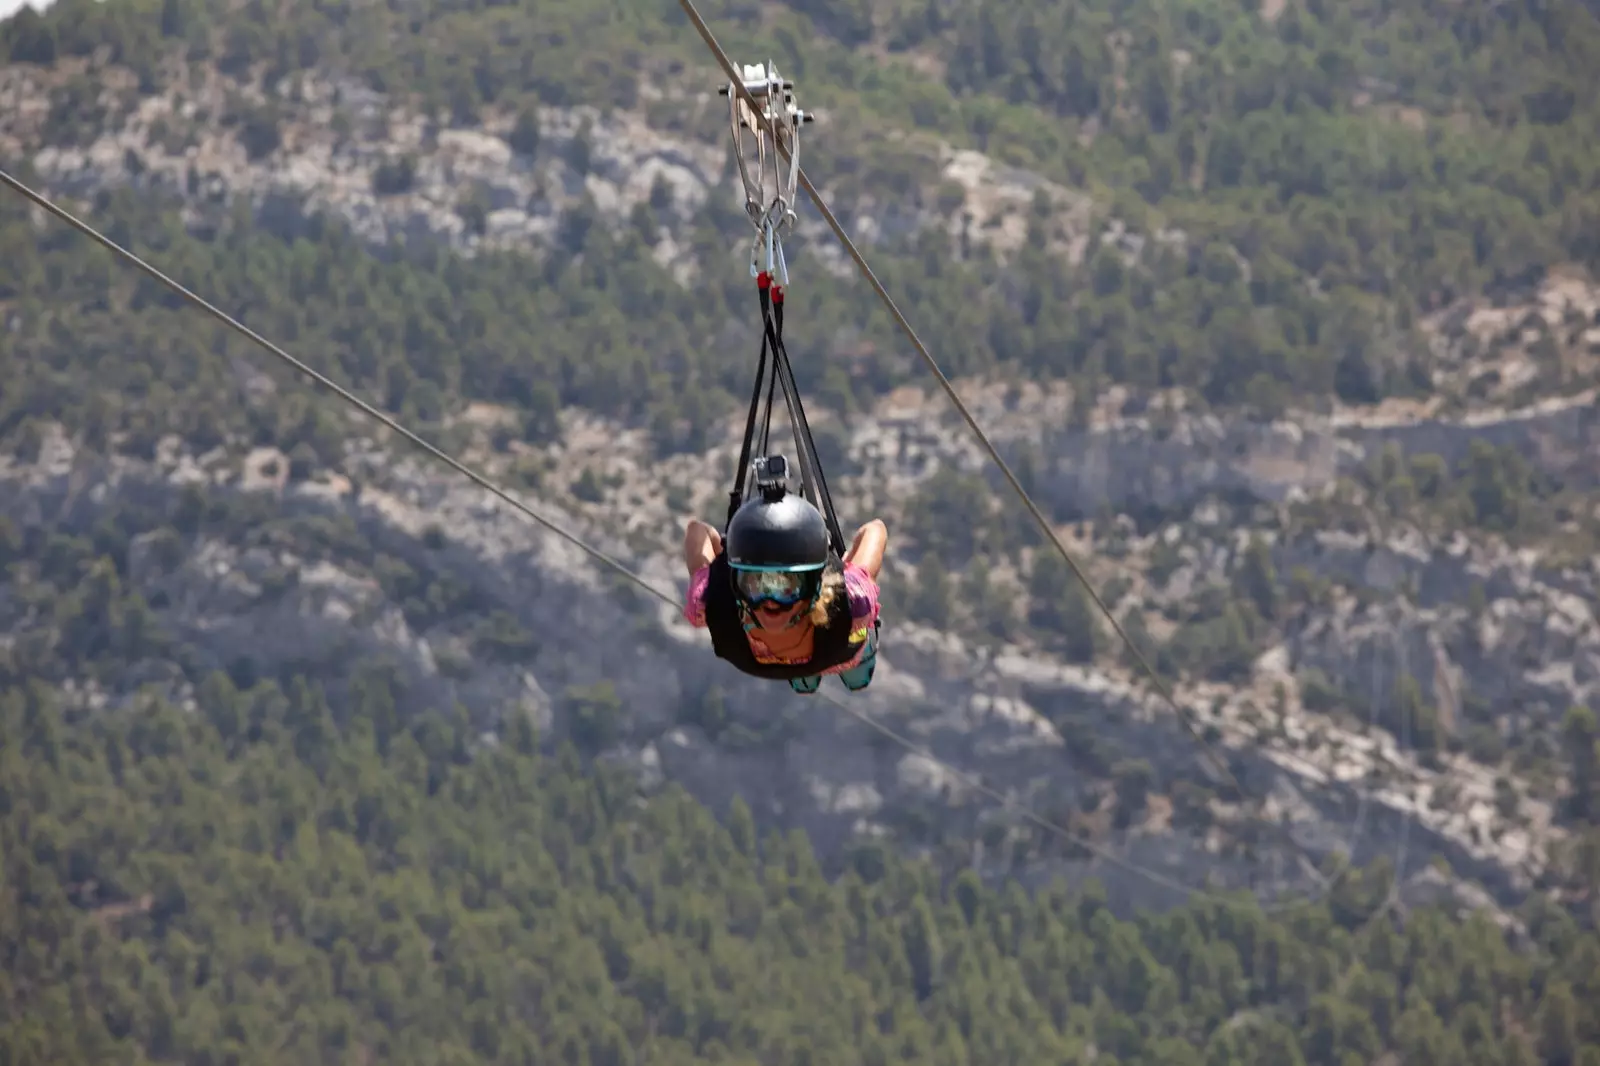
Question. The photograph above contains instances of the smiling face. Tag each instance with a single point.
(771, 615)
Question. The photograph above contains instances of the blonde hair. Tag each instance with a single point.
(832, 588)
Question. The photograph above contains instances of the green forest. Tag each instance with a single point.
(270, 876)
(265, 878)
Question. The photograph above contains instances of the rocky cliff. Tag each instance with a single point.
(1499, 635)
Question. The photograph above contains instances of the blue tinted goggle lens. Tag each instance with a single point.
(771, 586)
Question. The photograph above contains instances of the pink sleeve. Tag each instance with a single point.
(863, 595)
(694, 608)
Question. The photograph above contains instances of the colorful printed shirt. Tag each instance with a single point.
(860, 586)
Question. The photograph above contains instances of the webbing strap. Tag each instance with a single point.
(763, 441)
(814, 484)
(736, 496)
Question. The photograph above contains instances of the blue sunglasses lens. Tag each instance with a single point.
(767, 586)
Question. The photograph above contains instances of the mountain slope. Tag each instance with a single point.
(590, 282)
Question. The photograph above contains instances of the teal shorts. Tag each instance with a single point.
(855, 679)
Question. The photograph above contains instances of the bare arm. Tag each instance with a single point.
(866, 551)
(701, 544)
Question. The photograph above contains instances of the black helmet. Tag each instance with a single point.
(778, 532)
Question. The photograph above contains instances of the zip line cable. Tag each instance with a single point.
(483, 482)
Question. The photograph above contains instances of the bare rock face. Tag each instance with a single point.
(395, 176)
(1004, 727)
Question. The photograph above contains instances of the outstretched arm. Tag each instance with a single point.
(701, 544)
(866, 551)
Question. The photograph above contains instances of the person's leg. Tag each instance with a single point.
(805, 685)
(859, 676)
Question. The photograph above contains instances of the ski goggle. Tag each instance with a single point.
(782, 587)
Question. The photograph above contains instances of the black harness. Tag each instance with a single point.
(726, 617)
(813, 485)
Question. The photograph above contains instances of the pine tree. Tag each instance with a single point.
(1060, 610)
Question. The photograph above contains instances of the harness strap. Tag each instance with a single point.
(814, 484)
(766, 422)
(736, 495)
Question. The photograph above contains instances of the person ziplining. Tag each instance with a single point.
(782, 596)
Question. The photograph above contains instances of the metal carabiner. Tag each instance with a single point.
(766, 251)
(781, 215)
(777, 266)
(740, 118)
(775, 123)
